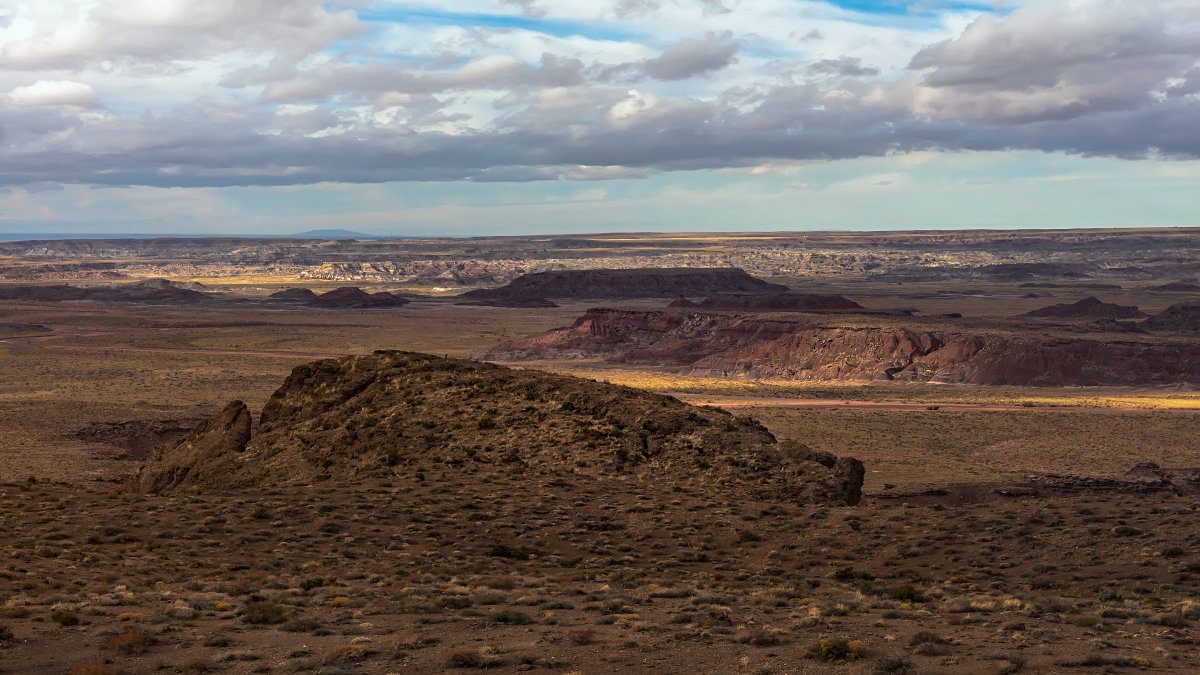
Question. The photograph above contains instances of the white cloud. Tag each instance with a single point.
(53, 93)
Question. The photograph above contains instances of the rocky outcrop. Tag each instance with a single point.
(1181, 318)
(403, 412)
(350, 297)
(204, 458)
(625, 283)
(1181, 286)
(1088, 309)
(723, 345)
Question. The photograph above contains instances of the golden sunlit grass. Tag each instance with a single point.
(894, 393)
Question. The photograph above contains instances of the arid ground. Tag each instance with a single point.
(944, 567)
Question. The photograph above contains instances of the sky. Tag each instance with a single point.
(447, 117)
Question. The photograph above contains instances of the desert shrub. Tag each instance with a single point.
(1172, 621)
(64, 618)
(1100, 661)
(849, 575)
(836, 650)
(513, 616)
(515, 552)
(6, 636)
(485, 657)
(892, 665)
(264, 612)
(907, 593)
(759, 637)
(129, 644)
(347, 654)
(582, 636)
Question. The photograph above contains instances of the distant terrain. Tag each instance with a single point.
(911, 452)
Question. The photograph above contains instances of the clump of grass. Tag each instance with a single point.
(513, 616)
(129, 644)
(907, 593)
(6, 636)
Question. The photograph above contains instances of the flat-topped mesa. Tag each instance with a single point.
(808, 347)
(404, 413)
(625, 283)
(1090, 309)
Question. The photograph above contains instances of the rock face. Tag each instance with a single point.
(403, 412)
(1181, 318)
(1181, 286)
(723, 345)
(198, 461)
(630, 283)
(350, 297)
(1090, 309)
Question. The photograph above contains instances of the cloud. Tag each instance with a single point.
(845, 66)
(691, 58)
(53, 93)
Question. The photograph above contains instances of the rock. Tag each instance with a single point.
(1091, 309)
(335, 421)
(204, 458)
(1181, 286)
(707, 344)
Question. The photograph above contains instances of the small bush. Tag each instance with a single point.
(893, 665)
(512, 616)
(907, 593)
(6, 636)
(64, 618)
(515, 552)
(485, 657)
(129, 644)
(759, 637)
(836, 650)
(264, 612)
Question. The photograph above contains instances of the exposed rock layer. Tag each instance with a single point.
(724, 345)
(406, 412)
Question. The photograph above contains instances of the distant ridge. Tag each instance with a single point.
(333, 234)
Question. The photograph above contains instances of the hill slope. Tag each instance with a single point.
(403, 412)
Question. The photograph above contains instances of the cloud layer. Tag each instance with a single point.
(171, 93)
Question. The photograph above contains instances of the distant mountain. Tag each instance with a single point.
(334, 234)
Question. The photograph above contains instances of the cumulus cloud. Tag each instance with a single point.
(266, 93)
(51, 93)
(691, 58)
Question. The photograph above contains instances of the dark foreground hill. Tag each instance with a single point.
(1181, 318)
(624, 283)
(404, 413)
(711, 344)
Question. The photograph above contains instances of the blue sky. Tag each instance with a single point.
(521, 116)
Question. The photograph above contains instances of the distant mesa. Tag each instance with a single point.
(772, 302)
(140, 292)
(300, 295)
(623, 284)
(709, 344)
(1181, 318)
(1181, 286)
(1090, 309)
(400, 412)
(350, 297)
(332, 234)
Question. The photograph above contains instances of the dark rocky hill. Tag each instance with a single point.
(624, 283)
(350, 297)
(1181, 318)
(400, 412)
(1090, 309)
